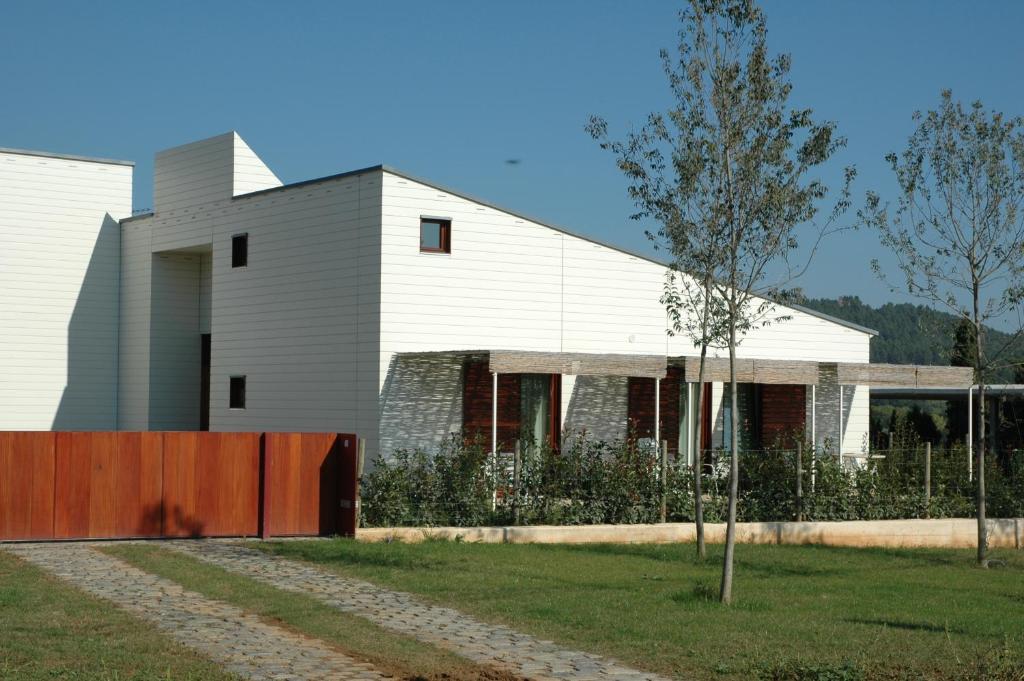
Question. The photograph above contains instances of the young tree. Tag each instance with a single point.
(724, 171)
(957, 231)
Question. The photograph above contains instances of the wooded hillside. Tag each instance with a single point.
(911, 334)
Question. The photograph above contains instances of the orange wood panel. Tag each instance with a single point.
(284, 474)
(179, 485)
(128, 476)
(303, 483)
(15, 519)
(104, 490)
(73, 463)
(227, 483)
(139, 474)
(151, 454)
(39, 447)
(26, 485)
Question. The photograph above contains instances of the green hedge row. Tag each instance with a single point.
(591, 481)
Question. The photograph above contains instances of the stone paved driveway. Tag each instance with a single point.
(490, 644)
(239, 641)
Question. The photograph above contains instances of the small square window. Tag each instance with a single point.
(435, 236)
(237, 398)
(240, 250)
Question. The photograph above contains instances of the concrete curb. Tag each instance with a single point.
(961, 533)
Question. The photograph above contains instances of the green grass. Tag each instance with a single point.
(401, 656)
(801, 612)
(49, 630)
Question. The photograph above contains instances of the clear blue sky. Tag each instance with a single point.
(450, 90)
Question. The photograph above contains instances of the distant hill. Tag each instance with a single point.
(908, 333)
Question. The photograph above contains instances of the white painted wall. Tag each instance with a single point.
(512, 283)
(58, 290)
(174, 344)
(299, 321)
(200, 173)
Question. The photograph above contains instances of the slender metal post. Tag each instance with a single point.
(927, 478)
(664, 480)
(839, 442)
(494, 415)
(814, 416)
(657, 411)
(494, 439)
(516, 473)
(970, 433)
(799, 481)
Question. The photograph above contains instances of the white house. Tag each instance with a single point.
(369, 301)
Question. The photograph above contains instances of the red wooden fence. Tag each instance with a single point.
(93, 485)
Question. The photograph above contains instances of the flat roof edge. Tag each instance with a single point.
(66, 157)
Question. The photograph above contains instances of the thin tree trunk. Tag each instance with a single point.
(983, 427)
(698, 460)
(734, 470)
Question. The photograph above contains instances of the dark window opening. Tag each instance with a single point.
(435, 236)
(240, 250)
(237, 398)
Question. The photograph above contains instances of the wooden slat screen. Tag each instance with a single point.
(578, 364)
(905, 375)
(477, 388)
(783, 414)
(640, 408)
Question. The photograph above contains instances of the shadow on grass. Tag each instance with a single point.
(704, 596)
(907, 625)
(763, 569)
(349, 553)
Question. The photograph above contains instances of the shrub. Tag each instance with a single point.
(594, 481)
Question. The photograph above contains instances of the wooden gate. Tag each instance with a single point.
(97, 485)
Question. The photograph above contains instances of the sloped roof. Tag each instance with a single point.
(549, 225)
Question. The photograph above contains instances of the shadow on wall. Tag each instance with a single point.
(89, 398)
(599, 406)
(421, 402)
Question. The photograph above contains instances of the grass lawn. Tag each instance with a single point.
(401, 656)
(802, 612)
(49, 630)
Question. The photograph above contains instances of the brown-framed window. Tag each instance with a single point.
(435, 235)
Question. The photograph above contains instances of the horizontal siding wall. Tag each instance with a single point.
(174, 346)
(133, 343)
(289, 320)
(510, 283)
(59, 252)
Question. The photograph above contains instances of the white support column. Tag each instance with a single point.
(814, 416)
(839, 446)
(657, 413)
(494, 437)
(494, 415)
(970, 433)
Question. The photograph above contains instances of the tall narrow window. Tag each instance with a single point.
(240, 250)
(237, 393)
(435, 235)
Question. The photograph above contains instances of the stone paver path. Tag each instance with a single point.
(490, 644)
(231, 637)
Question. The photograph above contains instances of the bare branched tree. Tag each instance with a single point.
(957, 231)
(724, 174)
